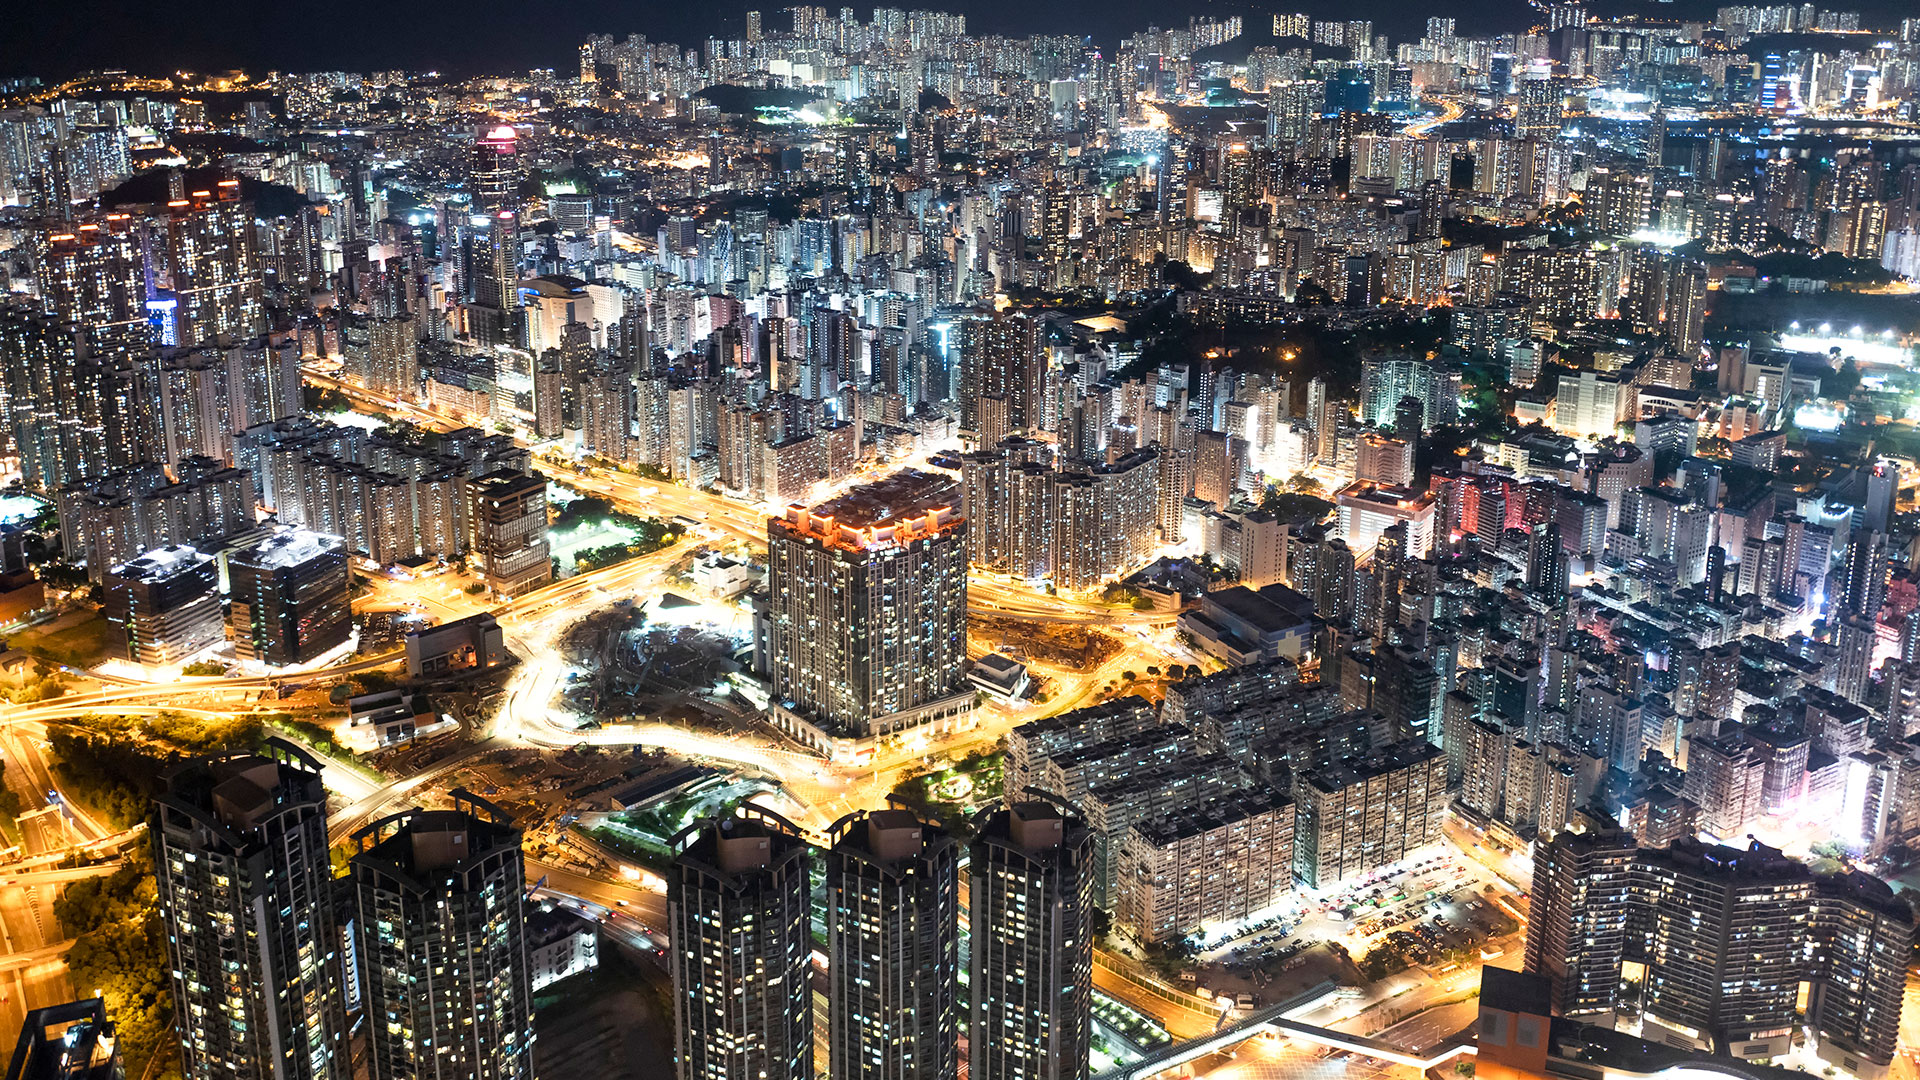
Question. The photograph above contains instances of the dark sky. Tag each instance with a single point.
(59, 37)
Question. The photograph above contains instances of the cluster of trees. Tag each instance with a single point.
(325, 399)
(114, 763)
(653, 535)
(120, 949)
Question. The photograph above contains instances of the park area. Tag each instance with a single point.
(587, 533)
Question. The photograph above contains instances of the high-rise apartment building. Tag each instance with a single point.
(1862, 935)
(207, 267)
(93, 275)
(439, 912)
(246, 895)
(1217, 861)
(893, 948)
(288, 597)
(1577, 925)
(1368, 812)
(69, 398)
(738, 913)
(866, 612)
(1727, 935)
(1031, 983)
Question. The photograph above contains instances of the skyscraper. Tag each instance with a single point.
(507, 519)
(69, 398)
(288, 597)
(1031, 893)
(211, 267)
(1861, 941)
(738, 914)
(1727, 936)
(1726, 933)
(245, 890)
(866, 612)
(1577, 918)
(438, 904)
(893, 948)
(493, 176)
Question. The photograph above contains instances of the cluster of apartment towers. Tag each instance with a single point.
(424, 940)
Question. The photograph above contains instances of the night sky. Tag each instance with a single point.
(59, 37)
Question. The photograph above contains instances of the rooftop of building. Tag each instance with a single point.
(1386, 759)
(547, 924)
(1386, 497)
(162, 563)
(294, 547)
(1271, 610)
(421, 845)
(907, 506)
(908, 493)
(1214, 813)
(1133, 705)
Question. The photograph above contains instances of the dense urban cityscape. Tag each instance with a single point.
(860, 549)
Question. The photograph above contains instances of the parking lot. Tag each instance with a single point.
(1431, 911)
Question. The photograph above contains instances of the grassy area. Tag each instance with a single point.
(80, 645)
(952, 794)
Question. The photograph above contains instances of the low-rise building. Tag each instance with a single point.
(1241, 626)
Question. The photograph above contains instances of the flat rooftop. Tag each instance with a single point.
(161, 563)
(295, 547)
(908, 493)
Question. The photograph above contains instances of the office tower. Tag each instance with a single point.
(69, 398)
(738, 914)
(74, 1041)
(439, 907)
(1577, 918)
(288, 597)
(893, 948)
(507, 526)
(1031, 971)
(164, 606)
(866, 612)
(1368, 812)
(493, 278)
(1861, 944)
(493, 174)
(208, 267)
(245, 889)
(1727, 930)
(1863, 576)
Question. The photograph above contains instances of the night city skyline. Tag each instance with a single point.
(974, 543)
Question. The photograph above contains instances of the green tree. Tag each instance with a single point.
(120, 950)
(1304, 484)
